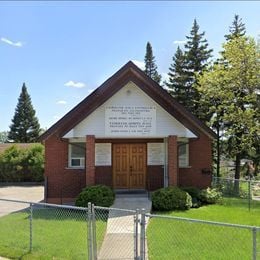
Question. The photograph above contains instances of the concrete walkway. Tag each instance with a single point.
(119, 239)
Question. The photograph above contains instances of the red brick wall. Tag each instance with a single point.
(63, 184)
(90, 160)
(155, 177)
(200, 157)
(104, 175)
(172, 161)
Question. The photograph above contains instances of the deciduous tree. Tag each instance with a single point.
(231, 90)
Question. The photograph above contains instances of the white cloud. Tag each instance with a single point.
(61, 102)
(179, 42)
(139, 64)
(15, 44)
(73, 84)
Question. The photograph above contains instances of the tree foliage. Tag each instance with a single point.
(25, 127)
(197, 55)
(237, 29)
(178, 78)
(230, 90)
(186, 67)
(150, 66)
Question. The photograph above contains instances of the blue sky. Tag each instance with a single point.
(64, 50)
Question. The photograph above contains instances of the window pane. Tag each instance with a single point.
(75, 162)
(182, 150)
(78, 150)
(183, 155)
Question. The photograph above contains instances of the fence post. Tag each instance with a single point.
(249, 194)
(254, 243)
(31, 227)
(89, 232)
(94, 232)
(136, 223)
(142, 235)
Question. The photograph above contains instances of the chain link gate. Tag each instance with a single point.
(124, 237)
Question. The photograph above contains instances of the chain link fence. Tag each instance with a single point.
(48, 231)
(172, 237)
(14, 228)
(240, 192)
(43, 230)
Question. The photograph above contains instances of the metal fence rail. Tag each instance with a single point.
(53, 231)
(172, 237)
(240, 188)
(243, 192)
(67, 232)
(120, 239)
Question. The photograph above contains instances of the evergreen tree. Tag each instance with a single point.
(197, 51)
(25, 127)
(197, 54)
(186, 67)
(177, 85)
(150, 66)
(237, 29)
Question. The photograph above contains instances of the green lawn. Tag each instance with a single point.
(57, 234)
(178, 239)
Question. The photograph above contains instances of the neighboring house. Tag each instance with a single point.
(128, 134)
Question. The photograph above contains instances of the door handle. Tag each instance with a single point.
(131, 168)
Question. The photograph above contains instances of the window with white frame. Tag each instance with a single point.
(183, 154)
(77, 153)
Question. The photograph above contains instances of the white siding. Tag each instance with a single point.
(129, 95)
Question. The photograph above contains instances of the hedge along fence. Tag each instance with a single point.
(22, 164)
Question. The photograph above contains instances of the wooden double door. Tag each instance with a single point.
(129, 166)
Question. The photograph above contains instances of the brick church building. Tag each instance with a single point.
(129, 134)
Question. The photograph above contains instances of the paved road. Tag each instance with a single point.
(24, 193)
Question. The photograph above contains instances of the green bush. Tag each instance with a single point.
(18, 164)
(195, 195)
(171, 198)
(100, 195)
(210, 196)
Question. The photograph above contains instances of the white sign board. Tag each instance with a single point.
(130, 121)
(103, 154)
(155, 153)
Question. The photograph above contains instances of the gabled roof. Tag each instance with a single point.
(129, 72)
